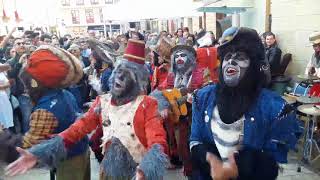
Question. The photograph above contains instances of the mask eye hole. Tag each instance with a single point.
(227, 56)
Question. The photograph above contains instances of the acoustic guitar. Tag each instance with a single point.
(177, 99)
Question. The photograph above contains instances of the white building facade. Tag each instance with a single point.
(80, 16)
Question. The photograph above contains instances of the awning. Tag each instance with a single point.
(226, 6)
(225, 10)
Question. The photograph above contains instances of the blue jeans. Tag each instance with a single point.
(26, 108)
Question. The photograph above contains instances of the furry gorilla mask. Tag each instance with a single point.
(234, 67)
(241, 76)
(128, 80)
(183, 61)
(183, 58)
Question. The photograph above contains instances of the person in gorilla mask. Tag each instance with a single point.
(239, 129)
(134, 141)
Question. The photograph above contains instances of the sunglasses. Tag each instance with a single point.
(316, 45)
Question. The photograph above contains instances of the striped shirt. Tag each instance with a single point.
(226, 136)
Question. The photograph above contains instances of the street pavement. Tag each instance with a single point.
(289, 172)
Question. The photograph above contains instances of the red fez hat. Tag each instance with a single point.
(135, 51)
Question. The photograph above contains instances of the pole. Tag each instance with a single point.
(236, 20)
(110, 29)
(268, 16)
(52, 174)
(7, 29)
(105, 29)
(205, 20)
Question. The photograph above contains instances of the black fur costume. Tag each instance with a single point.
(233, 103)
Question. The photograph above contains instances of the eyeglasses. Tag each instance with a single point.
(47, 41)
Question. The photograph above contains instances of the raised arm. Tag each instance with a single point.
(83, 126)
(6, 39)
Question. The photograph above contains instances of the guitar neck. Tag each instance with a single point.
(182, 100)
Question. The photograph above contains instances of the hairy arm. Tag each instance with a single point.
(6, 39)
(153, 164)
(155, 132)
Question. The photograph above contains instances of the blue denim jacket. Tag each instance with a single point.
(62, 104)
(265, 127)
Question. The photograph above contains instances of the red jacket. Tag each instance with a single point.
(207, 58)
(159, 79)
(148, 125)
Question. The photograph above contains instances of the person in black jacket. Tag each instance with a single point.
(17, 88)
(273, 53)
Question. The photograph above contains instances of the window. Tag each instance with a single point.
(101, 15)
(75, 16)
(109, 1)
(65, 2)
(89, 16)
(93, 2)
(80, 2)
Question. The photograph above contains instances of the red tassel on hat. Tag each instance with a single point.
(16, 15)
(5, 18)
